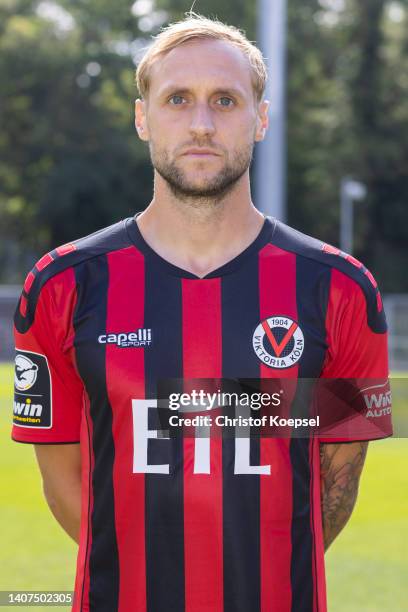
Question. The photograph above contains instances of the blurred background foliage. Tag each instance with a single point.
(71, 163)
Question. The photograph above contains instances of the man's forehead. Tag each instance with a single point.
(197, 61)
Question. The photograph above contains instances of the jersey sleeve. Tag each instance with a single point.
(354, 396)
(48, 392)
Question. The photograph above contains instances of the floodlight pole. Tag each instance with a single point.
(270, 157)
(350, 191)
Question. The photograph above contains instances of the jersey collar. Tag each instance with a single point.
(264, 236)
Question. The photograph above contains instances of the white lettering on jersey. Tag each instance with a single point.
(202, 456)
(141, 435)
(242, 454)
(202, 446)
(27, 408)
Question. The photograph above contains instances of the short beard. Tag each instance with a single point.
(210, 194)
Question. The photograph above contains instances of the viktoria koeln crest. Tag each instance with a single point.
(278, 342)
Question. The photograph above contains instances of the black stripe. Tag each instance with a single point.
(92, 278)
(241, 492)
(164, 517)
(312, 290)
(301, 564)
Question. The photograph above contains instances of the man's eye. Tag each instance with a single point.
(176, 100)
(225, 102)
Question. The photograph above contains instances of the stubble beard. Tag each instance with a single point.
(205, 196)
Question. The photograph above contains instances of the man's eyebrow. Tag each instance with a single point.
(184, 90)
(230, 90)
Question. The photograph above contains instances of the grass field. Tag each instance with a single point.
(367, 566)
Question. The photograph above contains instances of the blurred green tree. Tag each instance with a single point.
(347, 115)
(70, 161)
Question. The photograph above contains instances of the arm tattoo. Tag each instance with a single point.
(340, 469)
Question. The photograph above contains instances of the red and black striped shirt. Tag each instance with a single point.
(99, 322)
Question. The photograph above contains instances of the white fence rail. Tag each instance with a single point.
(9, 295)
(396, 309)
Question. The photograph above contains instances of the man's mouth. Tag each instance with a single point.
(197, 152)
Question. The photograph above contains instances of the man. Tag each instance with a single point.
(198, 286)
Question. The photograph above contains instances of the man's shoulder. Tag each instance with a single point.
(349, 274)
(57, 263)
(289, 239)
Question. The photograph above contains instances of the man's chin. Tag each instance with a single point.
(199, 185)
(199, 190)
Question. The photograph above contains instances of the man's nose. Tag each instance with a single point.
(202, 123)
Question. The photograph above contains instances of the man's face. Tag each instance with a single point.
(201, 118)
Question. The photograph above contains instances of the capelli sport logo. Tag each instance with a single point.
(142, 337)
(278, 342)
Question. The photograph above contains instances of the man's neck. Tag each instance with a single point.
(200, 238)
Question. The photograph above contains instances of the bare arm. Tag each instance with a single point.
(60, 466)
(341, 466)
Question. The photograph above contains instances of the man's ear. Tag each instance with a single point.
(262, 121)
(140, 119)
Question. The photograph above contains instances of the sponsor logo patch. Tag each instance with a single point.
(378, 400)
(32, 391)
(278, 342)
(139, 338)
(25, 373)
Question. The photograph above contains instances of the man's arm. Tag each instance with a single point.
(340, 470)
(60, 466)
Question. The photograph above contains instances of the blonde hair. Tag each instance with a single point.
(196, 26)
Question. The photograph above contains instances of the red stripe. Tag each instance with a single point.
(91, 504)
(23, 305)
(203, 523)
(347, 304)
(82, 580)
(28, 282)
(81, 599)
(371, 278)
(328, 248)
(354, 261)
(125, 381)
(65, 248)
(277, 296)
(44, 261)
